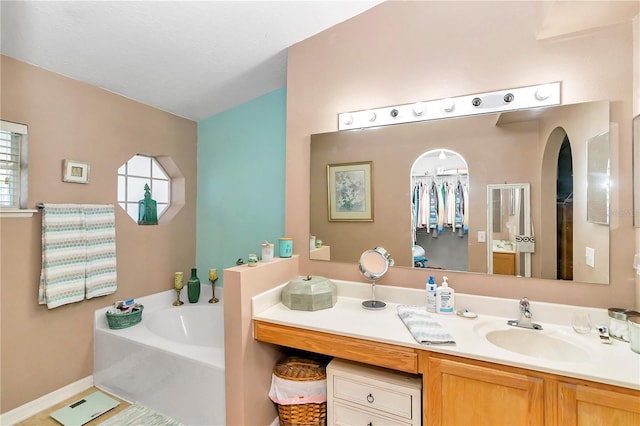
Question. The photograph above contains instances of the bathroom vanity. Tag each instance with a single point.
(474, 381)
(504, 257)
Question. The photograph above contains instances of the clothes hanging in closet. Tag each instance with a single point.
(440, 203)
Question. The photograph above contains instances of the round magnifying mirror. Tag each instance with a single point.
(373, 265)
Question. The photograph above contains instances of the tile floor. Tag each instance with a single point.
(43, 418)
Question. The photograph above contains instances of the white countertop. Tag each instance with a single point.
(613, 364)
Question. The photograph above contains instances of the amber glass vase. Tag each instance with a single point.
(193, 287)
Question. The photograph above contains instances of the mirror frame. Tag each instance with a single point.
(386, 258)
(355, 143)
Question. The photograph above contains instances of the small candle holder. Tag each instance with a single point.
(178, 302)
(213, 299)
(178, 285)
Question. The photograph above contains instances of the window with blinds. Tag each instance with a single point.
(13, 137)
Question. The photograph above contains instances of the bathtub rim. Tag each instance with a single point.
(139, 334)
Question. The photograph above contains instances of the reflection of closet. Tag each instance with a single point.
(440, 202)
(565, 239)
(440, 219)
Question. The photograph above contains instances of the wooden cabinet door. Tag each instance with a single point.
(583, 405)
(461, 393)
(504, 263)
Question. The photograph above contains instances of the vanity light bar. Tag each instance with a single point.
(483, 103)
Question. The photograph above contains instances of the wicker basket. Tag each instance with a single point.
(301, 369)
(118, 321)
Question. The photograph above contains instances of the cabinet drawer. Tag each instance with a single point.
(371, 396)
(344, 415)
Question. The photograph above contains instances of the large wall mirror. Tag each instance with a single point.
(545, 150)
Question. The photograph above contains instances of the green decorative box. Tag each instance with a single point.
(309, 294)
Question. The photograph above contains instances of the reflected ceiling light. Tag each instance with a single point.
(543, 92)
(541, 95)
(442, 155)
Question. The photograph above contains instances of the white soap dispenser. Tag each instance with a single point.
(431, 295)
(445, 298)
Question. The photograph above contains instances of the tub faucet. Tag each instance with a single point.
(525, 317)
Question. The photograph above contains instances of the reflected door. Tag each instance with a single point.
(509, 237)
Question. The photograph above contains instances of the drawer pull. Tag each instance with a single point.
(370, 399)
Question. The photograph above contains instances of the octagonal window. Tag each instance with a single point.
(141, 170)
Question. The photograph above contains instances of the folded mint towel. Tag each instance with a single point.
(423, 328)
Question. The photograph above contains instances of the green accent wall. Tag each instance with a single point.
(241, 183)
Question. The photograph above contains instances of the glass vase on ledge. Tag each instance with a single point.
(193, 287)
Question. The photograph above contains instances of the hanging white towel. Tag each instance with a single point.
(101, 278)
(62, 277)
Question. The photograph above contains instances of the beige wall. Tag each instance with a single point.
(249, 363)
(43, 350)
(401, 52)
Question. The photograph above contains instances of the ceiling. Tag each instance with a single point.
(197, 58)
(190, 58)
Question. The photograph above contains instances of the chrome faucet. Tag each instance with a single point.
(525, 317)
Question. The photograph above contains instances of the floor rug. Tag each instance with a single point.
(138, 415)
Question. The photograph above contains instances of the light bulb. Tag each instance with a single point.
(418, 108)
(372, 115)
(347, 119)
(543, 92)
(447, 104)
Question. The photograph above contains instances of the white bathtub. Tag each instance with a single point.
(172, 362)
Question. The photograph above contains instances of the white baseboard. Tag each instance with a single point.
(276, 422)
(37, 405)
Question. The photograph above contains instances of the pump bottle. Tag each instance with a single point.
(445, 298)
(431, 295)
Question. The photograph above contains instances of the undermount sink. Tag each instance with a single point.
(541, 344)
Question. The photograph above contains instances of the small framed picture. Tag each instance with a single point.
(349, 191)
(75, 171)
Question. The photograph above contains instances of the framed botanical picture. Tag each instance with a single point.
(349, 191)
(75, 171)
(636, 171)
